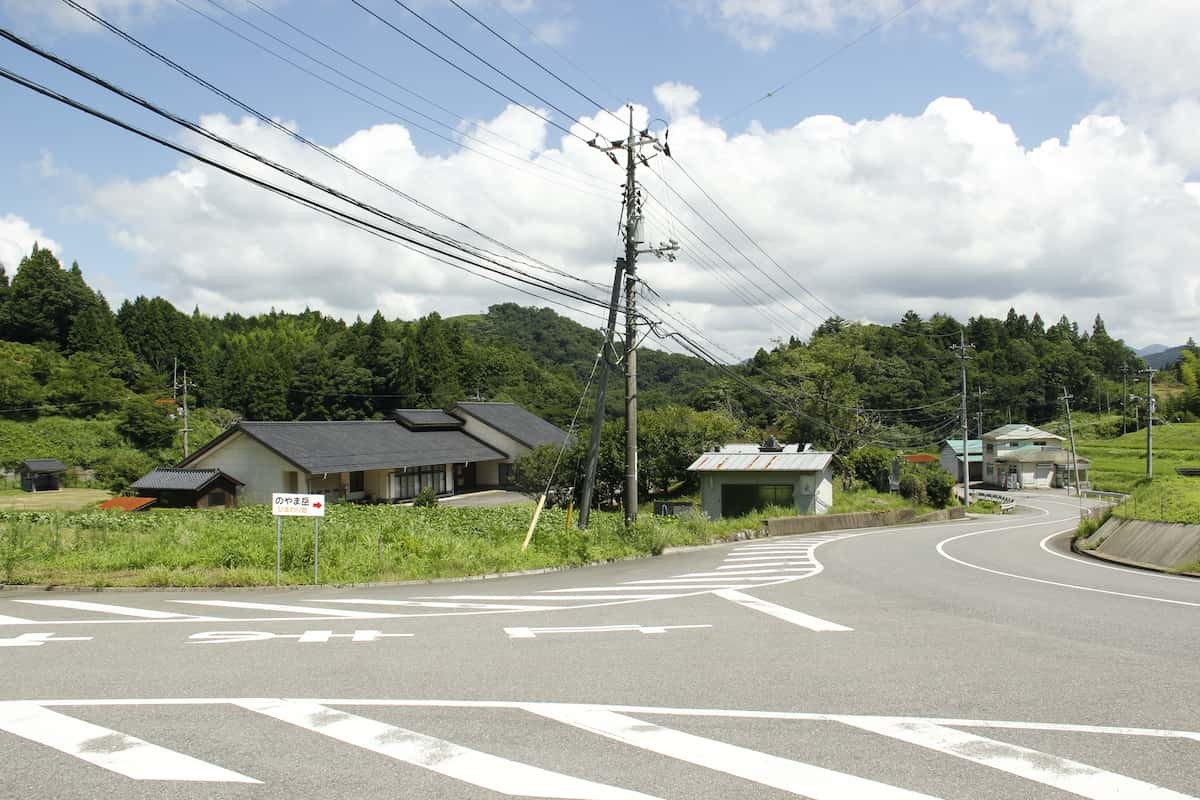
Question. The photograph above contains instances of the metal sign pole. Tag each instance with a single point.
(316, 548)
(278, 546)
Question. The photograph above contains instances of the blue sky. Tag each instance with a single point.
(898, 239)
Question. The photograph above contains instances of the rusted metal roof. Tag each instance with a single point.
(717, 461)
(127, 503)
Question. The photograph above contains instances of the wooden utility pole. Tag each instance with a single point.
(1149, 373)
(632, 145)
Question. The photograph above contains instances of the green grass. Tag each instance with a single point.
(61, 500)
(1119, 465)
(866, 500)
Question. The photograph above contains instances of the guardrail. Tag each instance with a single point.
(1007, 503)
(1116, 498)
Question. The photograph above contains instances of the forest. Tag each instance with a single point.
(103, 389)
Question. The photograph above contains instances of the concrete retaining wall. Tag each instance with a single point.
(1159, 545)
(784, 526)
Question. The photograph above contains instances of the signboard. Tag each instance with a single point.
(894, 476)
(297, 505)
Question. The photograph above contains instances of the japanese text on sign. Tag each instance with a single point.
(297, 505)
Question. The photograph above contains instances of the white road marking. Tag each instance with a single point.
(792, 563)
(941, 548)
(39, 639)
(308, 637)
(703, 579)
(797, 777)
(15, 621)
(435, 604)
(105, 608)
(782, 612)
(438, 755)
(775, 571)
(749, 559)
(117, 752)
(311, 610)
(547, 599)
(647, 587)
(532, 633)
(1061, 773)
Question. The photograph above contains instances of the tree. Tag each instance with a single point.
(146, 424)
(43, 300)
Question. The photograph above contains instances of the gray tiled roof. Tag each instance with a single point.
(426, 418)
(509, 418)
(173, 479)
(320, 447)
(43, 465)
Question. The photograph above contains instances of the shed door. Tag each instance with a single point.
(738, 499)
(1042, 474)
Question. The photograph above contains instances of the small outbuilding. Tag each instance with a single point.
(188, 488)
(952, 455)
(42, 474)
(738, 479)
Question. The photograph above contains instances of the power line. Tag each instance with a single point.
(826, 59)
(365, 100)
(471, 75)
(285, 193)
(276, 125)
(535, 62)
(400, 86)
(751, 239)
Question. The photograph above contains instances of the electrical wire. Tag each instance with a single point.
(826, 59)
(469, 74)
(276, 125)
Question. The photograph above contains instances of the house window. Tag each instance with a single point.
(991, 448)
(406, 485)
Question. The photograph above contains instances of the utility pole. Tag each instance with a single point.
(1066, 398)
(632, 145)
(1124, 394)
(961, 347)
(979, 412)
(186, 429)
(1149, 373)
(593, 454)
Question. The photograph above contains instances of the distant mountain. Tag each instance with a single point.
(1151, 349)
(1163, 358)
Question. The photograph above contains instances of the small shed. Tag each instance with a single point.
(738, 479)
(188, 488)
(952, 455)
(42, 474)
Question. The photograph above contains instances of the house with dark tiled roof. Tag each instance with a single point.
(42, 474)
(472, 446)
(188, 488)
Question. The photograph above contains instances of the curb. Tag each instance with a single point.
(1128, 563)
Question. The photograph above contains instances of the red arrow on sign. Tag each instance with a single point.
(316, 505)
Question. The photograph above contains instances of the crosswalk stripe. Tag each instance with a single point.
(440, 604)
(310, 610)
(793, 563)
(687, 580)
(789, 571)
(748, 559)
(797, 777)
(13, 620)
(645, 587)
(782, 612)
(115, 751)
(105, 608)
(446, 758)
(1061, 773)
(542, 597)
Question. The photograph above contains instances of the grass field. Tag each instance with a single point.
(62, 500)
(1119, 465)
(236, 547)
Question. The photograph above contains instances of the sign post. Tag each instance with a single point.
(296, 505)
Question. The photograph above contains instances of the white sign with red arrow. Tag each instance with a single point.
(297, 505)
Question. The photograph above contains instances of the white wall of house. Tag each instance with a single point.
(261, 470)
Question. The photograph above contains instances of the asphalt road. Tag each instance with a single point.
(967, 660)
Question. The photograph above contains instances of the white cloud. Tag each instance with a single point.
(17, 238)
(943, 211)
(677, 99)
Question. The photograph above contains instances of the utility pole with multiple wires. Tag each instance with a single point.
(962, 348)
(1150, 404)
(1066, 398)
(634, 236)
(1124, 395)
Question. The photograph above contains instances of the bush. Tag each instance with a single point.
(939, 487)
(426, 498)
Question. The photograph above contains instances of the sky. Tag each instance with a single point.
(853, 157)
